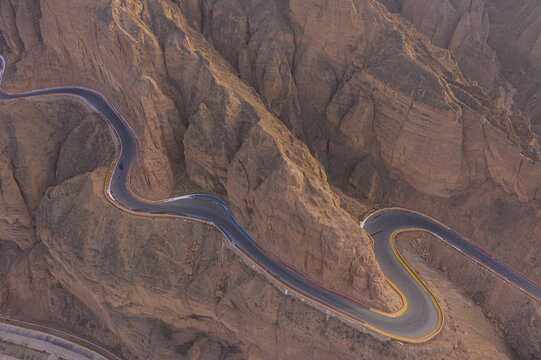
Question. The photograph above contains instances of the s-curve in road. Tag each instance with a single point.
(385, 224)
(419, 319)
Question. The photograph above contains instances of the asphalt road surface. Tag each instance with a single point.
(421, 318)
(56, 346)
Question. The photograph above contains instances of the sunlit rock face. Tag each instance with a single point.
(303, 116)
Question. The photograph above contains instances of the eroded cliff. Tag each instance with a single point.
(494, 42)
(303, 116)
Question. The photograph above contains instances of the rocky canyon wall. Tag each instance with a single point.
(494, 42)
(303, 115)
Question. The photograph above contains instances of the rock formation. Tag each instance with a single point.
(303, 116)
(494, 42)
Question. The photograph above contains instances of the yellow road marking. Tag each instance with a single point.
(404, 302)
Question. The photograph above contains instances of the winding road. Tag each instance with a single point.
(420, 318)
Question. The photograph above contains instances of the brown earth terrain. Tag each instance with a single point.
(303, 116)
(495, 42)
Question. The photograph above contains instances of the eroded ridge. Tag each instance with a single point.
(420, 318)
